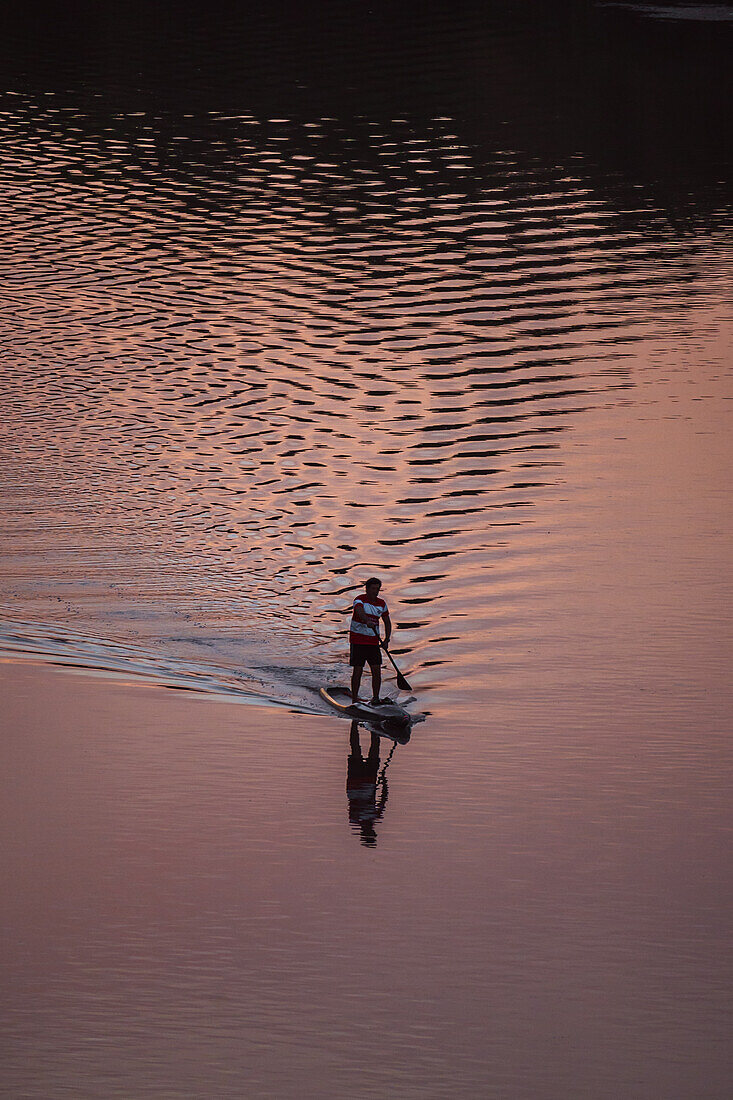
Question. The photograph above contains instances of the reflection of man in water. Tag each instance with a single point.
(361, 787)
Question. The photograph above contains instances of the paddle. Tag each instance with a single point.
(402, 683)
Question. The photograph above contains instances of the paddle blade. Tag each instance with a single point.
(402, 683)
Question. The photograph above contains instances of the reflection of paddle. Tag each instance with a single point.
(402, 683)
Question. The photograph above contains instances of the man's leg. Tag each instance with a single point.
(376, 680)
(355, 682)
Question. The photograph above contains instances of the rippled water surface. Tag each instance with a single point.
(448, 303)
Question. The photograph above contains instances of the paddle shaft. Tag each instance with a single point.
(402, 683)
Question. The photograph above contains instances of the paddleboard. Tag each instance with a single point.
(340, 698)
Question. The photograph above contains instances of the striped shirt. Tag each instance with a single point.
(362, 633)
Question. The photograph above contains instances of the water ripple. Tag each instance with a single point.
(253, 357)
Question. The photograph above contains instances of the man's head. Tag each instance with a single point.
(372, 587)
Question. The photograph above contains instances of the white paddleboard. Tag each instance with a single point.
(340, 698)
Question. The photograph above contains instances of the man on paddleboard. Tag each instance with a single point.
(364, 648)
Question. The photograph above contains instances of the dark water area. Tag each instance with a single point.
(292, 296)
(615, 84)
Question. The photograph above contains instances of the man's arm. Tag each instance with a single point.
(387, 628)
(361, 616)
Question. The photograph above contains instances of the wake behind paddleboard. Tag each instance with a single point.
(340, 698)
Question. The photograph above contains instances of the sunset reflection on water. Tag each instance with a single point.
(284, 307)
(233, 408)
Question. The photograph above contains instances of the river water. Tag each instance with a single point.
(288, 302)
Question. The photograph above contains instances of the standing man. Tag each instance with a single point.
(364, 638)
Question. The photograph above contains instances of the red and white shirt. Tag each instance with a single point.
(362, 633)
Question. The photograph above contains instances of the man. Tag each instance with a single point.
(364, 638)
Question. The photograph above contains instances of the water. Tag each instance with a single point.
(288, 304)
